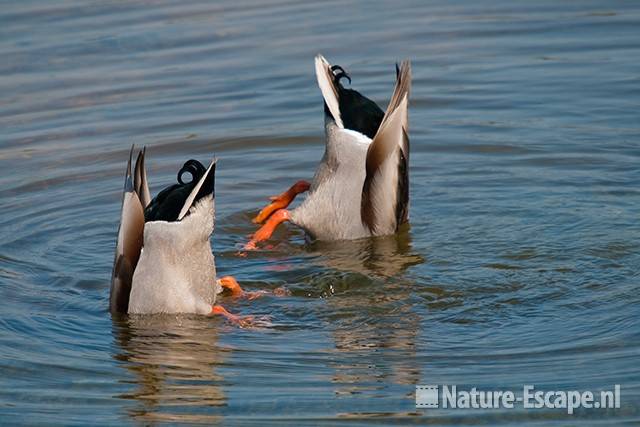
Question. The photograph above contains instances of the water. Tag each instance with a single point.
(520, 265)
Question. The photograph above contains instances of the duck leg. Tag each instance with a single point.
(281, 201)
(268, 228)
(230, 283)
(241, 321)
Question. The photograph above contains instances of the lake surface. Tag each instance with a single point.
(521, 264)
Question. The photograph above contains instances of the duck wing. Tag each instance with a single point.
(385, 193)
(129, 244)
(140, 183)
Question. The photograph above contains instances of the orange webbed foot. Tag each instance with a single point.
(241, 321)
(265, 232)
(229, 282)
(281, 201)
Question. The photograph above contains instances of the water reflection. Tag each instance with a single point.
(372, 355)
(374, 324)
(173, 361)
(381, 257)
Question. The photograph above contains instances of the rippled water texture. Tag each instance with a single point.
(520, 265)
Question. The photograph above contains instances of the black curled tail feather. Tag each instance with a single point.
(348, 108)
(341, 73)
(166, 206)
(192, 167)
(358, 112)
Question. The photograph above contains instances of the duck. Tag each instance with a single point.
(163, 259)
(361, 186)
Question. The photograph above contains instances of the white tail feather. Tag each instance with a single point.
(328, 89)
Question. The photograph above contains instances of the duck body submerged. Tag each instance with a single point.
(361, 186)
(164, 262)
